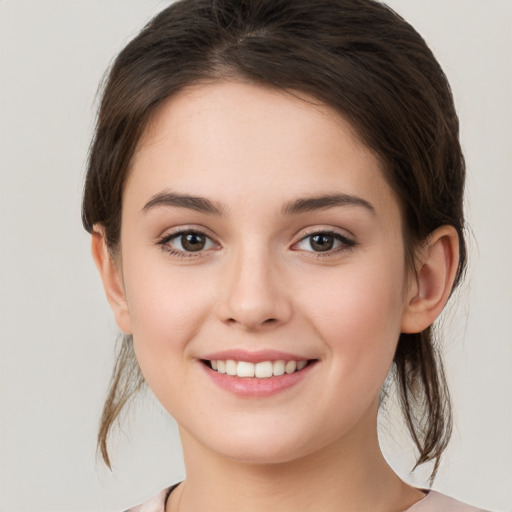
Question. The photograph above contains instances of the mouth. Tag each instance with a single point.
(260, 370)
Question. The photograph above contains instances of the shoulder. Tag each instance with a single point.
(433, 502)
(436, 502)
(154, 504)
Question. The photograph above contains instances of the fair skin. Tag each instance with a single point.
(256, 279)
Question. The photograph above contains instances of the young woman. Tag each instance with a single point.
(274, 194)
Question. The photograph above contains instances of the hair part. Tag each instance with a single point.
(384, 81)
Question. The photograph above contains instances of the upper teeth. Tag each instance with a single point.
(262, 370)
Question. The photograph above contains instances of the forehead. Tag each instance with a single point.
(267, 115)
(233, 142)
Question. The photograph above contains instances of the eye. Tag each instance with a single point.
(183, 242)
(325, 242)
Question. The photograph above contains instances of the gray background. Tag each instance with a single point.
(56, 330)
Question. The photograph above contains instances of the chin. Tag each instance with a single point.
(261, 455)
(265, 446)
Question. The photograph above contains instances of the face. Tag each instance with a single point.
(258, 229)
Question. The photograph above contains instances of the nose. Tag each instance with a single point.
(254, 295)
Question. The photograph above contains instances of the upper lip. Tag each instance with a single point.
(253, 356)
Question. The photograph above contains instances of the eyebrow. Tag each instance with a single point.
(200, 204)
(322, 202)
(294, 207)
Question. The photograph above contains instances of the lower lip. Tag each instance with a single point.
(250, 387)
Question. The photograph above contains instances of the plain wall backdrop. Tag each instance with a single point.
(57, 333)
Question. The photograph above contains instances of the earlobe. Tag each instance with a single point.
(437, 267)
(112, 279)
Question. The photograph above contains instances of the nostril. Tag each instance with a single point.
(268, 321)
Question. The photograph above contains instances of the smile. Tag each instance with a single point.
(263, 378)
(261, 370)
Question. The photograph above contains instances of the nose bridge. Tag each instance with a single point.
(254, 294)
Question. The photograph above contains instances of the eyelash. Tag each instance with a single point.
(346, 243)
(164, 241)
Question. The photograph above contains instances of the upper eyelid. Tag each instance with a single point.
(174, 232)
(346, 241)
(164, 243)
(203, 231)
(332, 231)
(206, 232)
(342, 235)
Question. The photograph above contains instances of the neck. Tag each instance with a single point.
(350, 475)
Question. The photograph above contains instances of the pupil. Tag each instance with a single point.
(192, 242)
(322, 242)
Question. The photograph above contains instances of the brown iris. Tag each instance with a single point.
(322, 242)
(193, 241)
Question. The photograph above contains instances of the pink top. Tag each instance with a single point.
(432, 502)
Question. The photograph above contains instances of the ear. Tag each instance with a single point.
(111, 275)
(429, 291)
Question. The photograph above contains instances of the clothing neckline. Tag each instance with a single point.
(410, 509)
(427, 494)
(169, 493)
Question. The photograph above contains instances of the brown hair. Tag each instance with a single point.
(357, 56)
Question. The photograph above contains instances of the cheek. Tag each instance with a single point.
(358, 313)
(167, 306)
